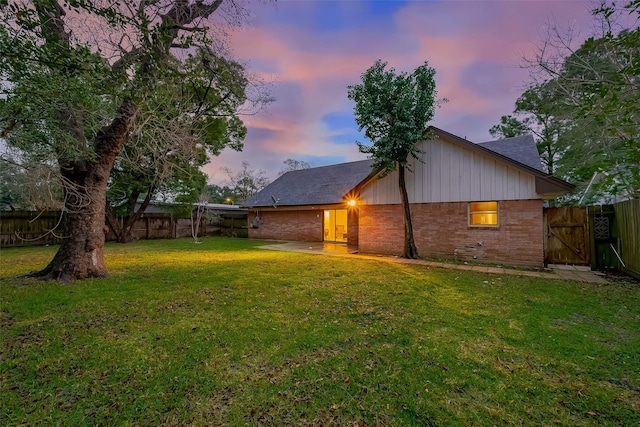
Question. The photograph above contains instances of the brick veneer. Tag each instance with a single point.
(441, 231)
(352, 227)
(302, 226)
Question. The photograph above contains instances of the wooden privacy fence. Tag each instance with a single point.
(21, 228)
(627, 229)
(603, 237)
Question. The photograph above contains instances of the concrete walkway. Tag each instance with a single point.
(560, 272)
(578, 272)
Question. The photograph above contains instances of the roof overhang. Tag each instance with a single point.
(297, 207)
(550, 187)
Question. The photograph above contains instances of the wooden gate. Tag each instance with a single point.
(566, 236)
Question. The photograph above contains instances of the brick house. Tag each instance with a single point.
(481, 202)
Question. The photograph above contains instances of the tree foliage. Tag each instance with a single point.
(537, 112)
(178, 128)
(218, 194)
(246, 182)
(594, 97)
(80, 80)
(509, 127)
(28, 185)
(393, 109)
(293, 165)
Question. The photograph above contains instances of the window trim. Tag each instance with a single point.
(497, 213)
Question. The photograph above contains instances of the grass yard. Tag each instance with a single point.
(222, 333)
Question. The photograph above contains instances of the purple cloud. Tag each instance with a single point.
(314, 49)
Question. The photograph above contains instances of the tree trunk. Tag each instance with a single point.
(410, 250)
(80, 255)
(113, 222)
(124, 232)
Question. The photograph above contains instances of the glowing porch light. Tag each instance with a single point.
(351, 202)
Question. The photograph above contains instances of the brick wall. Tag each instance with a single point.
(441, 231)
(352, 227)
(303, 226)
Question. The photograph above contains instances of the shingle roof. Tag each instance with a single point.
(522, 149)
(323, 185)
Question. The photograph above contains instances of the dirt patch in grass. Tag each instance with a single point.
(618, 277)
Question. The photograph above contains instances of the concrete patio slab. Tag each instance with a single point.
(558, 272)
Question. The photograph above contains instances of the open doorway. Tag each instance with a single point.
(335, 225)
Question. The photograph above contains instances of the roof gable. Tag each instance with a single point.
(547, 185)
(526, 160)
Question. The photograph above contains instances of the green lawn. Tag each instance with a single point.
(222, 333)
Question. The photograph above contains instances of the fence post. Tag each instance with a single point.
(592, 239)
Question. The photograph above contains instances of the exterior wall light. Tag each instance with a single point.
(351, 202)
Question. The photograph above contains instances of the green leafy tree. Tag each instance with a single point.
(175, 132)
(219, 194)
(538, 112)
(75, 77)
(597, 94)
(29, 185)
(11, 195)
(394, 109)
(509, 127)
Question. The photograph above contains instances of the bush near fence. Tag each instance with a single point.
(23, 228)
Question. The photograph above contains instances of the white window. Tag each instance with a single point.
(483, 214)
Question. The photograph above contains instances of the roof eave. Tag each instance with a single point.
(311, 206)
(550, 187)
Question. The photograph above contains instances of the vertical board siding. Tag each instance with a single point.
(465, 174)
(451, 173)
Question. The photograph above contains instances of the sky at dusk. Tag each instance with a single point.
(310, 51)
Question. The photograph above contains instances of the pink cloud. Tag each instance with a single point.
(474, 47)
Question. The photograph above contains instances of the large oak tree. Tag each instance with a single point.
(75, 77)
